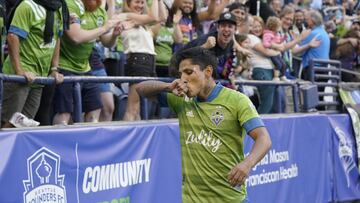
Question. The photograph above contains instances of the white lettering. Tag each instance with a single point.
(277, 157)
(205, 139)
(105, 177)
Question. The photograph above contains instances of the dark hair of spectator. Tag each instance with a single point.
(198, 56)
(346, 49)
(237, 5)
(193, 16)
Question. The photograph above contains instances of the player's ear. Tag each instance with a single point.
(208, 71)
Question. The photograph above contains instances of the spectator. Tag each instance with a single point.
(271, 38)
(262, 65)
(106, 96)
(221, 43)
(165, 35)
(207, 25)
(315, 23)
(242, 17)
(276, 6)
(139, 49)
(33, 49)
(88, 22)
(190, 22)
(299, 21)
(347, 52)
(264, 9)
(242, 69)
(355, 25)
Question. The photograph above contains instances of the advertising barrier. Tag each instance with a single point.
(91, 164)
(312, 159)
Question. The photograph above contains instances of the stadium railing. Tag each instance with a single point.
(77, 116)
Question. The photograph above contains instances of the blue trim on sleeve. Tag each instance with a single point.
(77, 20)
(18, 31)
(252, 124)
(162, 99)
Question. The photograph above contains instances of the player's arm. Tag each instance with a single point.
(152, 88)
(261, 146)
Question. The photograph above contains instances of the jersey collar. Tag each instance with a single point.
(214, 93)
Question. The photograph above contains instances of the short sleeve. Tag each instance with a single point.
(22, 21)
(247, 115)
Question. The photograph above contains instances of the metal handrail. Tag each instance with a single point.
(104, 79)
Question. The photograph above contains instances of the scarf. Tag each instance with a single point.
(51, 6)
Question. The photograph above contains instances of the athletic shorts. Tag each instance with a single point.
(104, 87)
(90, 95)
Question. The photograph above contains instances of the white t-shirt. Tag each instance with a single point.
(258, 60)
(138, 40)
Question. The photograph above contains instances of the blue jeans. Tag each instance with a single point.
(266, 91)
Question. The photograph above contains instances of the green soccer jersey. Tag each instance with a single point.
(75, 58)
(29, 23)
(163, 46)
(211, 136)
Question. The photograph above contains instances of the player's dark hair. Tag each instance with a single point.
(198, 56)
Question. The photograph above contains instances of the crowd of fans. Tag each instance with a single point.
(253, 40)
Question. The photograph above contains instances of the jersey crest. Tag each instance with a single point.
(217, 116)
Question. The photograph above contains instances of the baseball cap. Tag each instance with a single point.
(227, 17)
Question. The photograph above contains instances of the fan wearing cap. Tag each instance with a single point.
(220, 41)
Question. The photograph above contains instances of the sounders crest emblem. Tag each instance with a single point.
(217, 116)
(44, 179)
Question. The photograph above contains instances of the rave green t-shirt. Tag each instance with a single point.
(75, 58)
(163, 46)
(211, 136)
(29, 24)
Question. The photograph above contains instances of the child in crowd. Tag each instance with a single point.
(273, 40)
(242, 69)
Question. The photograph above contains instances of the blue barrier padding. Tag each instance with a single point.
(312, 160)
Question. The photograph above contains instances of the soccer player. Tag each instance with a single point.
(213, 123)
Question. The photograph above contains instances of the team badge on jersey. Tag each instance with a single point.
(100, 22)
(217, 116)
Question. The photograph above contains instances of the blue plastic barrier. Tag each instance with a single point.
(312, 160)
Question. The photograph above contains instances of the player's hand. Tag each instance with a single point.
(178, 87)
(239, 173)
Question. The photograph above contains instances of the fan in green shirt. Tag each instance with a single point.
(34, 42)
(213, 123)
(88, 22)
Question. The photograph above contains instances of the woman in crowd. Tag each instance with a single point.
(165, 34)
(190, 22)
(262, 65)
(139, 48)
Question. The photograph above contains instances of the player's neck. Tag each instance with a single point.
(207, 90)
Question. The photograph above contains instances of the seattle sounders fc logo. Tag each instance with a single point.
(44, 183)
